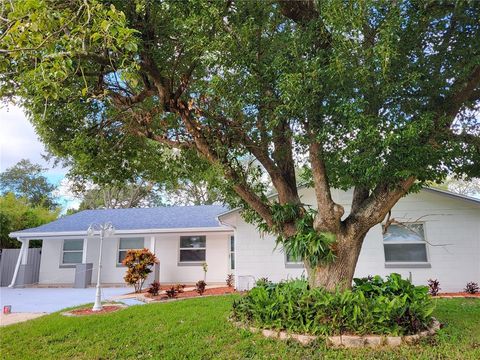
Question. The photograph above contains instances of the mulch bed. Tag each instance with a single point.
(88, 311)
(193, 293)
(458, 295)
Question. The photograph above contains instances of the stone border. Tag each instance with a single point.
(346, 341)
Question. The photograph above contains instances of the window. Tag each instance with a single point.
(126, 244)
(293, 261)
(72, 251)
(193, 249)
(232, 252)
(405, 243)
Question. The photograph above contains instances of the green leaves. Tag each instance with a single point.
(307, 243)
(383, 88)
(375, 306)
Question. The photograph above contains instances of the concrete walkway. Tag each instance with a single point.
(48, 300)
(14, 318)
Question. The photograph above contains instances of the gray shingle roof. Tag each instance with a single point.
(172, 217)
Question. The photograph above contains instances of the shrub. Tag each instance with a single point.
(200, 287)
(154, 288)
(230, 279)
(179, 288)
(139, 264)
(472, 288)
(433, 287)
(374, 306)
(263, 281)
(171, 293)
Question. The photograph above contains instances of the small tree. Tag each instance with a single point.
(205, 269)
(139, 264)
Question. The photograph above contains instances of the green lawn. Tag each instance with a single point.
(197, 329)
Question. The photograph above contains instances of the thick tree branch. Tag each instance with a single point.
(239, 184)
(374, 208)
(329, 213)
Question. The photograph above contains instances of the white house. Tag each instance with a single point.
(439, 238)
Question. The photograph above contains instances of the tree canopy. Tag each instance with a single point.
(378, 96)
(18, 214)
(26, 179)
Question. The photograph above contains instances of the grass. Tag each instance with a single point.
(197, 329)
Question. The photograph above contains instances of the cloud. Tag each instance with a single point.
(18, 140)
(69, 199)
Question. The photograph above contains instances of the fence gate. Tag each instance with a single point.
(8, 260)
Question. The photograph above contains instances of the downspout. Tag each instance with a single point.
(235, 276)
(19, 260)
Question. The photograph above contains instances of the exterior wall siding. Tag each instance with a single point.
(452, 231)
(166, 250)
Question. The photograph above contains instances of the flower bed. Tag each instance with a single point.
(457, 295)
(88, 311)
(392, 307)
(188, 294)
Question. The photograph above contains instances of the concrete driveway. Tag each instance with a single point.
(48, 300)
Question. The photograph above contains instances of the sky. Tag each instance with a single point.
(18, 141)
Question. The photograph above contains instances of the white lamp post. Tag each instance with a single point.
(104, 230)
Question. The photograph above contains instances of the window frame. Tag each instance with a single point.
(63, 251)
(180, 248)
(119, 264)
(292, 264)
(408, 264)
(231, 252)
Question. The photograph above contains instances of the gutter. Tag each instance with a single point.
(453, 195)
(40, 235)
(226, 224)
(450, 194)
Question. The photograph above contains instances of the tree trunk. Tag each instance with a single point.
(338, 274)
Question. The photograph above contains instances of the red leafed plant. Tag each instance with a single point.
(179, 288)
(200, 287)
(154, 288)
(139, 264)
(230, 280)
(472, 288)
(172, 292)
(433, 287)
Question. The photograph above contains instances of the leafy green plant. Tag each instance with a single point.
(139, 264)
(472, 288)
(230, 280)
(433, 287)
(374, 306)
(154, 288)
(200, 287)
(307, 244)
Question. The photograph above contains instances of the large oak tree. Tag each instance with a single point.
(378, 96)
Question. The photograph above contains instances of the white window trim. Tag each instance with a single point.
(231, 253)
(292, 264)
(119, 264)
(191, 263)
(64, 264)
(406, 264)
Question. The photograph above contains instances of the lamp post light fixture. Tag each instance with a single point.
(103, 230)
